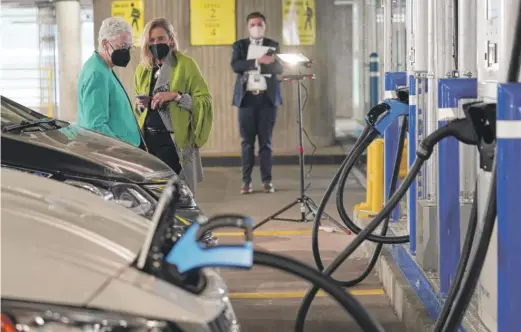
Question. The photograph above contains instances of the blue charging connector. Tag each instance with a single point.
(188, 254)
(387, 112)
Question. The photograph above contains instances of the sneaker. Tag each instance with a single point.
(268, 188)
(246, 188)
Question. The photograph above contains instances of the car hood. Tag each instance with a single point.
(61, 243)
(80, 152)
(152, 297)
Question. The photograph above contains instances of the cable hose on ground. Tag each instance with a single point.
(348, 302)
(345, 216)
(394, 180)
(327, 194)
(358, 240)
(462, 264)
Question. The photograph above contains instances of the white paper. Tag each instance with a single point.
(256, 51)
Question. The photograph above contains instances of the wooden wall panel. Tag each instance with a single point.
(215, 65)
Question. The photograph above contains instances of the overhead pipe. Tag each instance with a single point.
(467, 37)
(409, 21)
(420, 53)
(467, 68)
(388, 36)
(431, 117)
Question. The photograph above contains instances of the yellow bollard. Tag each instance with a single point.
(377, 176)
(375, 181)
(403, 162)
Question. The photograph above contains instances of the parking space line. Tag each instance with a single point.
(299, 295)
(268, 233)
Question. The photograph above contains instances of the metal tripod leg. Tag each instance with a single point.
(279, 212)
(312, 206)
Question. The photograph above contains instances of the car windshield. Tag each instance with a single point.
(16, 116)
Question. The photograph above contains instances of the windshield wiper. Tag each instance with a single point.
(25, 125)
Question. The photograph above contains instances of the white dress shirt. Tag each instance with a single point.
(256, 81)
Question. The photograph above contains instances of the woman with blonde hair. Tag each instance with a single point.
(174, 103)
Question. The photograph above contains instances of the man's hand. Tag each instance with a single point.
(163, 97)
(266, 59)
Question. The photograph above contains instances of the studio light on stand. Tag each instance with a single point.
(298, 61)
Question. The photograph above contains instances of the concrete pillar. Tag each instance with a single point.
(69, 56)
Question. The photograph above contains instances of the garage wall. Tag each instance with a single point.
(319, 113)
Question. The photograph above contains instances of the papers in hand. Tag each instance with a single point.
(255, 52)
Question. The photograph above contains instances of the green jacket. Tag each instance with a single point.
(103, 104)
(191, 127)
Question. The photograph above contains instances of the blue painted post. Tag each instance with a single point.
(374, 77)
(393, 80)
(450, 91)
(411, 156)
(508, 206)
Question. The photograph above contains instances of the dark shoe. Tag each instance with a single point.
(246, 189)
(268, 188)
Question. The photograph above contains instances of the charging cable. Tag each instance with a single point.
(461, 129)
(244, 257)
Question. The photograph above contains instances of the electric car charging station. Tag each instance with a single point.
(449, 103)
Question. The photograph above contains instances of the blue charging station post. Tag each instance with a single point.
(411, 156)
(374, 77)
(450, 91)
(508, 133)
(393, 80)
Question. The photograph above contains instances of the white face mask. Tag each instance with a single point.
(257, 32)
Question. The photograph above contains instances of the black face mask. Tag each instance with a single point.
(159, 51)
(121, 57)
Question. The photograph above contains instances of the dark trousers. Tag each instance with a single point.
(162, 146)
(257, 117)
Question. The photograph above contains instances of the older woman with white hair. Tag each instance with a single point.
(103, 104)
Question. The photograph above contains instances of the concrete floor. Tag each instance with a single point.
(267, 299)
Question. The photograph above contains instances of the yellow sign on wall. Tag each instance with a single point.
(133, 12)
(212, 22)
(298, 22)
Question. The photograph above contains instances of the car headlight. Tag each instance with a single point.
(186, 197)
(130, 196)
(23, 316)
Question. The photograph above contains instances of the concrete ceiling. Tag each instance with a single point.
(33, 3)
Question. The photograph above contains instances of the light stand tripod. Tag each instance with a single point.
(307, 205)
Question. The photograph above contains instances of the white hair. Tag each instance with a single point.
(111, 27)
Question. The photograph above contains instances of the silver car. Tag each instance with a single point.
(68, 263)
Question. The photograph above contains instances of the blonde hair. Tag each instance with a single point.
(160, 22)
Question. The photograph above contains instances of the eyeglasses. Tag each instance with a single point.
(123, 47)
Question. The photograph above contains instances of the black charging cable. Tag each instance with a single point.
(394, 181)
(461, 303)
(368, 134)
(462, 130)
(462, 264)
(348, 302)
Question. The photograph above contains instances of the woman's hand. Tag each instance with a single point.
(142, 102)
(163, 97)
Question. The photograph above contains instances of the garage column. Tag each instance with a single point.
(68, 24)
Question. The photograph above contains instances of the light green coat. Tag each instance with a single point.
(191, 128)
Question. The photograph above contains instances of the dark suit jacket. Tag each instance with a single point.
(240, 65)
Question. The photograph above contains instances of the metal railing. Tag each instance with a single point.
(31, 87)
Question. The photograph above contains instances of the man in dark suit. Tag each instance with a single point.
(257, 95)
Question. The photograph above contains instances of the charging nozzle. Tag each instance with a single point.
(188, 254)
(381, 116)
